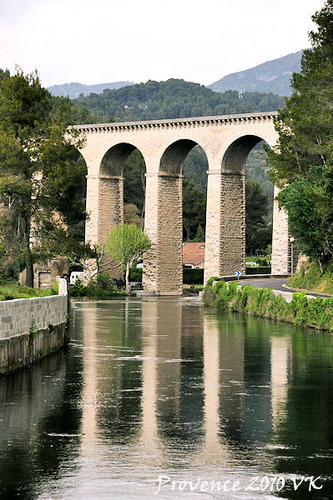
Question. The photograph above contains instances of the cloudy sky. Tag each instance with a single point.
(98, 41)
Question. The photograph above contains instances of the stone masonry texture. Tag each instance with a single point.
(21, 315)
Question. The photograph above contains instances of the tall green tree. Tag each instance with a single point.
(302, 161)
(41, 178)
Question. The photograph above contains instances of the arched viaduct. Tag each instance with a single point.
(164, 145)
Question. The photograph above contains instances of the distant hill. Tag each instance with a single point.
(173, 98)
(74, 89)
(272, 76)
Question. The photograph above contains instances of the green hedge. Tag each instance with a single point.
(190, 276)
(316, 313)
(193, 276)
(258, 270)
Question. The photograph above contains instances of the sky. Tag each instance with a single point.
(102, 41)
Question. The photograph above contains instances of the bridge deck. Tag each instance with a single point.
(200, 120)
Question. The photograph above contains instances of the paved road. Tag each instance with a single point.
(275, 283)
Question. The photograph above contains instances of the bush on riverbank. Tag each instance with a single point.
(316, 313)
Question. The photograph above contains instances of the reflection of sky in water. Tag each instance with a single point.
(164, 387)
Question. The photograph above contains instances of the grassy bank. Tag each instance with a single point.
(14, 291)
(315, 313)
(309, 277)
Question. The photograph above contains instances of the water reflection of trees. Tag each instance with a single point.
(39, 423)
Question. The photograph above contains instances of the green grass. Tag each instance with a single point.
(15, 291)
(310, 278)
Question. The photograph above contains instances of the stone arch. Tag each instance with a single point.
(169, 234)
(174, 156)
(225, 223)
(113, 161)
(105, 199)
(111, 188)
(234, 159)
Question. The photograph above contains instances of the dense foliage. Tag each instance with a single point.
(310, 277)
(10, 292)
(173, 99)
(258, 233)
(316, 313)
(303, 158)
(42, 178)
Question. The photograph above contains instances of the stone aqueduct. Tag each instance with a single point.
(164, 145)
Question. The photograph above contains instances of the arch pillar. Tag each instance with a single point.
(104, 205)
(280, 241)
(105, 210)
(163, 263)
(225, 224)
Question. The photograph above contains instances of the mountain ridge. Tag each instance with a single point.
(269, 77)
(74, 89)
(272, 76)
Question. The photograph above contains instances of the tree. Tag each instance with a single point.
(134, 180)
(194, 209)
(258, 233)
(200, 236)
(132, 215)
(302, 161)
(126, 243)
(41, 178)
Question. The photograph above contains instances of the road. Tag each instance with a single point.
(277, 284)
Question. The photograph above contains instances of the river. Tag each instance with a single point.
(163, 398)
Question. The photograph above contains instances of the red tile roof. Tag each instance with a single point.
(193, 253)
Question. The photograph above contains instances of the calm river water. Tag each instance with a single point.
(162, 398)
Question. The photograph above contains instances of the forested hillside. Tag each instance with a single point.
(173, 99)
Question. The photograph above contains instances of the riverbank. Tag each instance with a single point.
(301, 309)
(31, 329)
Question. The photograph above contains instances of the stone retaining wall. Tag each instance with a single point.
(30, 329)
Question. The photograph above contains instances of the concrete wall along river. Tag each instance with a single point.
(31, 329)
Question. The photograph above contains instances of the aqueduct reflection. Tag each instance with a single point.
(183, 377)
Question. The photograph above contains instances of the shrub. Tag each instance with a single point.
(102, 286)
(104, 281)
(77, 289)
